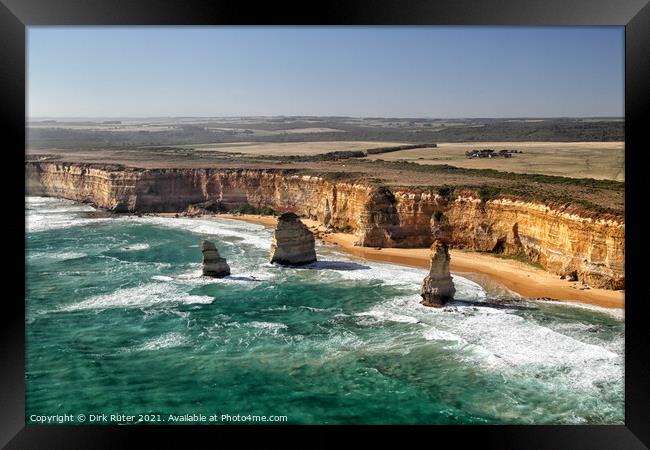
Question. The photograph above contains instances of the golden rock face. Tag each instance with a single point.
(565, 242)
(293, 244)
(438, 287)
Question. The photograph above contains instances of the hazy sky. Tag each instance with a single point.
(362, 71)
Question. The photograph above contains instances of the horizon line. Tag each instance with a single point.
(322, 116)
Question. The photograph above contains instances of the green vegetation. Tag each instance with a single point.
(219, 207)
(211, 206)
(344, 229)
(69, 135)
(488, 192)
(446, 191)
(496, 174)
(375, 151)
(333, 176)
(329, 156)
(250, 209)
(525, 186)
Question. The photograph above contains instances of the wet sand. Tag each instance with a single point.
(519, 277)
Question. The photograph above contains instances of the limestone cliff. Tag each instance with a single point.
(293, 243)
(565, 241)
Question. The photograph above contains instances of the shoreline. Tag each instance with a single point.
(519, 277)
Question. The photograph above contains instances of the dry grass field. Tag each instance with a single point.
(289, 148)
(600, 160)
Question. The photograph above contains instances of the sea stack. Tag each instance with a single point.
(213, 264)
(293, 243)
(438, 287)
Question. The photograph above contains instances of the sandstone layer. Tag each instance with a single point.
(566, 241)
(438, 287)
(293, 244)
(213, 264)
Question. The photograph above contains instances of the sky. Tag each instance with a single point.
(429, 72)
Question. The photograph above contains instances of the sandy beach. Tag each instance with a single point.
(519, 277)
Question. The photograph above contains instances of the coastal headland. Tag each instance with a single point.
(541, 236)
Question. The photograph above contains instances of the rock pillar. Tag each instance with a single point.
(293, 243)
(438, 287)
(213, 264)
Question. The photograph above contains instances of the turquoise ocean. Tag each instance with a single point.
(119, 320)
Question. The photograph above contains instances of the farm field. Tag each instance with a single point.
(290, 148)
(599, 160)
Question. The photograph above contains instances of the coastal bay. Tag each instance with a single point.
(341, 340)
(520, 277)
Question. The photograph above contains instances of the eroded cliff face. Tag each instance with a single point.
(565, 242)
(173, 190)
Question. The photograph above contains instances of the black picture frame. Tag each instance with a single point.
(15, 15)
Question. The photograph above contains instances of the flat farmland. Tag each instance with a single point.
(599, 160)
(289, 148)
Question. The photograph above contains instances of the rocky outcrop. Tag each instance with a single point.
(438, 287)
(213, 264)
(293, 243)
(562, 240)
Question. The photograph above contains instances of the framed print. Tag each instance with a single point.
(365, 218)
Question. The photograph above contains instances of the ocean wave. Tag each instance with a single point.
(167, 340)
(144, 296)
(497, 339)
(488, 338)
(272, 327)
(161, 278)
(500, 340)
(247, 233)
(618, 313)
(435, 334)
(135, 247)
(241, 274)
(48, 213)
(386, 316)
(57, 256)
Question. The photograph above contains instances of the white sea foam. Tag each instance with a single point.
(500, 340)
(162, 278)
(46, 213)
(392, 274)
(618, 313)
(57, 256)
(387, 316)
(148, 295)
(135, 247)
(312, 309)
(167, 340)
(195, 277)
(272, 327)
(42, 222)
(509, 340)
(495, 338)
(248, 233)
(435, 334)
